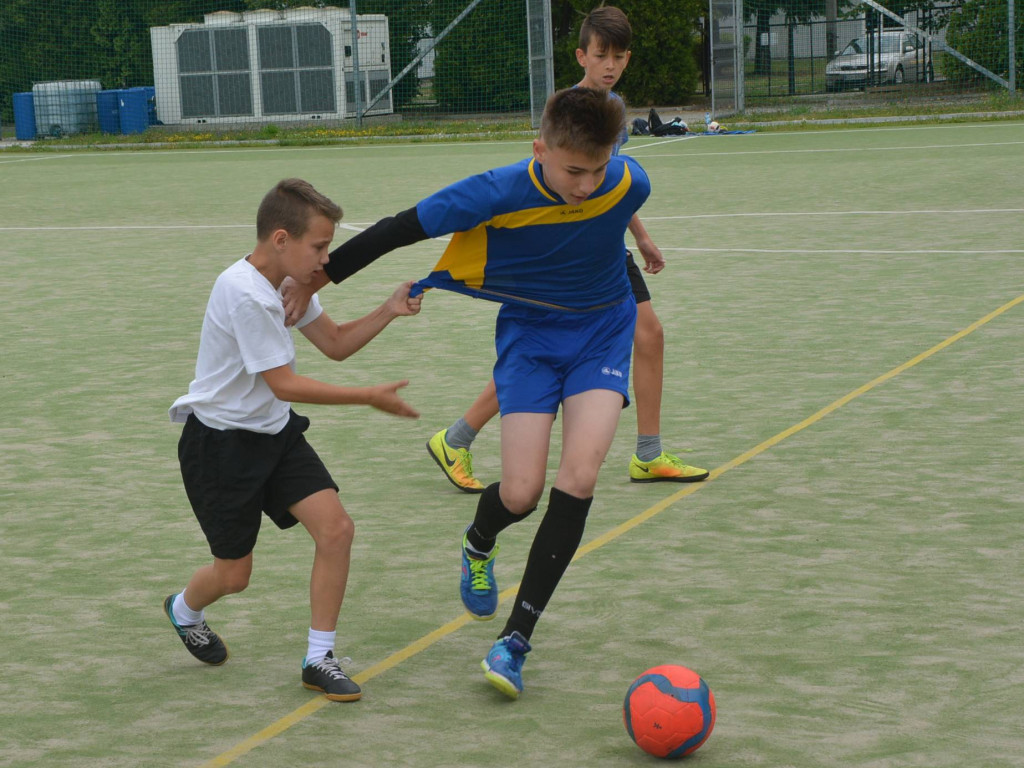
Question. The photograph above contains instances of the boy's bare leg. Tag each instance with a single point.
(651, 463)
(212, 582)
(332, 530)
(648, 369)
(186, 610)
(589, 420)
(525, 439)
(484, 408)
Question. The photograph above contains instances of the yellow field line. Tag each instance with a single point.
(429, 639)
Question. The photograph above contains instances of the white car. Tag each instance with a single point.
(893, 56)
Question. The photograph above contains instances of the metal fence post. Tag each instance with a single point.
(1013, 46)
(357, 77)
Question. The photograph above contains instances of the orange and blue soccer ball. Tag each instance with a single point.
(669, 711)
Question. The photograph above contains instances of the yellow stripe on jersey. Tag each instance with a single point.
(537, 184)
(466, 256)
(561, 214)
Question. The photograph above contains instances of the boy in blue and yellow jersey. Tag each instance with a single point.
(544, 237)
(603, 53)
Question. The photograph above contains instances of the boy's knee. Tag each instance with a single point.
(578, 481)
(338, 533)
(235, 578)
(520, 499)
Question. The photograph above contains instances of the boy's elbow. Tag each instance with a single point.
(337, 355)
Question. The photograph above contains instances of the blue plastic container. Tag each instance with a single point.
(24, 117)
(137, 108)
(108, 110)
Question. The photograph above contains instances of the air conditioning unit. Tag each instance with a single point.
(269, 66)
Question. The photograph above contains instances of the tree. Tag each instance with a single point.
(481, 66)
(979, 29)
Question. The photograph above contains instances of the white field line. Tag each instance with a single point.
(799, 214)
(429, 145)
(846, 251)
(360, 226)
(836, 150)
(132, 227)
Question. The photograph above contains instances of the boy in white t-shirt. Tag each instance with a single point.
(242, 449)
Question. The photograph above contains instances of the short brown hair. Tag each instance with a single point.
(290, 205)
(582, 119)
(608, 27)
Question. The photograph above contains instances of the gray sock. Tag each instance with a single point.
(648, 447)
(460, 435)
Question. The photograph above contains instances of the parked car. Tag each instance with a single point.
(896, 56)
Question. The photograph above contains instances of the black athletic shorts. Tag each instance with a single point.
(233, 475)
(636, 280)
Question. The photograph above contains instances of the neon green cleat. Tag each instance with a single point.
(665, 468)
(456, 463)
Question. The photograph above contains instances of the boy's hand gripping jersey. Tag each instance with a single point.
(515, 241)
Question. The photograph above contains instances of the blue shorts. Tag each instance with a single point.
(546, 356)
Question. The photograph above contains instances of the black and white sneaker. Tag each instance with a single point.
(326, 676)
(201, 641)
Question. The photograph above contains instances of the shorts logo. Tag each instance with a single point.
(611, 372)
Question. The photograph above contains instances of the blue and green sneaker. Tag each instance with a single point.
(478, 588)
(503, 666)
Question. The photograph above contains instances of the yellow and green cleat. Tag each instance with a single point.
(664, 468)
(456, 463)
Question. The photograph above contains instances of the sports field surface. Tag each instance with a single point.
(844, 315)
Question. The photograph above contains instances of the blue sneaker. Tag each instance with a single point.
(478, 588)
(504, 664)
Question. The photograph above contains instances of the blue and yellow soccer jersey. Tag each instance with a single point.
(516, 241)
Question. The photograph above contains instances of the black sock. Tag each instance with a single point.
(557, 539)
(492, 517)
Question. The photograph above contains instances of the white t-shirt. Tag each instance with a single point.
(243, 334)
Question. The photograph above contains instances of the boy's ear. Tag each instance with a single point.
(279, 237)
(539, 148)
(581, 55)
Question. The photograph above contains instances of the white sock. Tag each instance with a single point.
(319, 644)
(184, 615)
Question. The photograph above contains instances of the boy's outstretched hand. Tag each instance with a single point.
(384, 397)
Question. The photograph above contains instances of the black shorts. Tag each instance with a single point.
(233, 475)
(636, 280)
